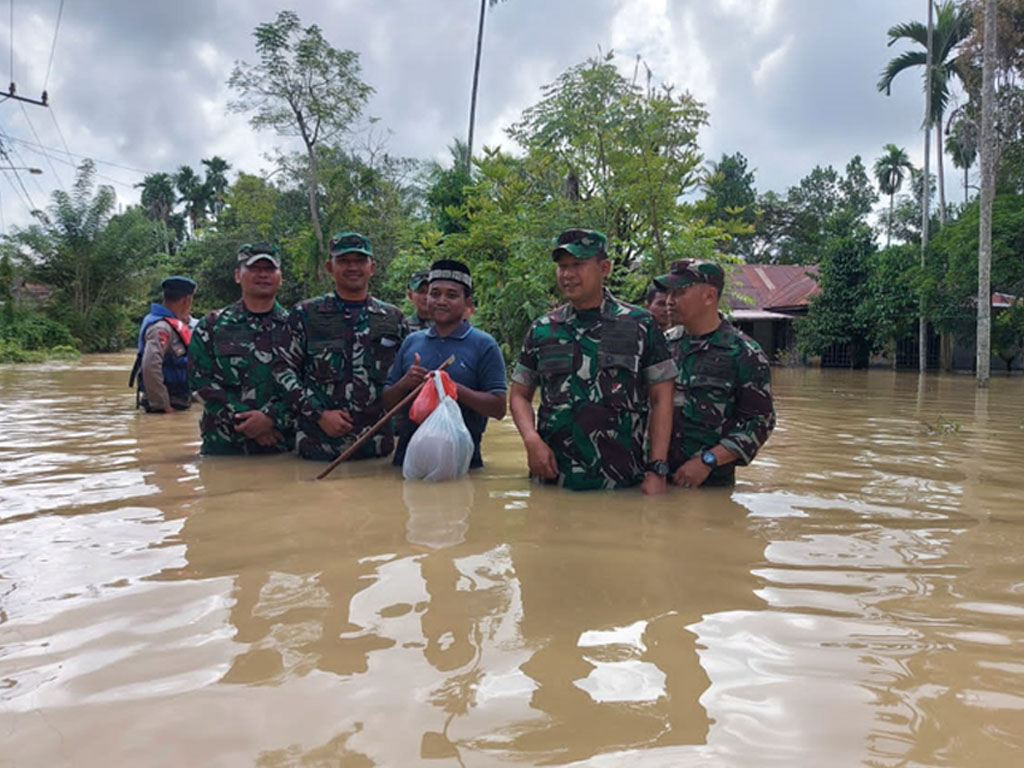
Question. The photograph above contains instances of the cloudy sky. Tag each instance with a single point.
(141, 87)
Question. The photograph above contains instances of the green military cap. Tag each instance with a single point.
(350, 242)
(581, 243)
(418, 278)
(689, 271)
(250, 253)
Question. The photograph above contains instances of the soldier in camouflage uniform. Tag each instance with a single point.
(723, 410)
(231, 356)
(419, 285)
(602, 366)
(342, 347)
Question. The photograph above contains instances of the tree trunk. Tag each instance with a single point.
(476, 82)
(888, 236)
(922, 323)
(988, 177)
(942, 176)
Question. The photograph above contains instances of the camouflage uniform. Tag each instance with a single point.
(416, 323)
(231, 356)
(593, 368)
(339, 358)
(723, 395)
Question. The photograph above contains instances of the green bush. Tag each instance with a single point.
(32, 331)
(11, 351)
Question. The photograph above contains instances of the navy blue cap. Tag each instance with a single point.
(181, 285)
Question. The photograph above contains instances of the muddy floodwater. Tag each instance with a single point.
(857, 599)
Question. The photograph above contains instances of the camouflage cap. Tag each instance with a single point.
(418, 278)
(250, 253)
(689, 271)
(350, 242)
(581, 243)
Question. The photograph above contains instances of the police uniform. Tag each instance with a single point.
(161, 361)
(723, 392)
(594, 368)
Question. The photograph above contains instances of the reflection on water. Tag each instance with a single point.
(857, 599)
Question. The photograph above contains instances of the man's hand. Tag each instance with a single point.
(416, 374)
(653, 484)
(692, 473)
(540, 458)
(269, 439)
(335, 423)
(253, 424)
(168, 409)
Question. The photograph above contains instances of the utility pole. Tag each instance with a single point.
(476, 82)
(988, 189)
(922, 328)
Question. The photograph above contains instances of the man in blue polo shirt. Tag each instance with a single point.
(478, 370)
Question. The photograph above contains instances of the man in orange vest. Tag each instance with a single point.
(161, 365)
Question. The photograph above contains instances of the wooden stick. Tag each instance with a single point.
(383, 420)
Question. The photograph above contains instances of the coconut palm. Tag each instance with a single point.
(962, 144)
(476, 76)
(217, 181)
(953, 25)
(158, 196)
(890, 171)
(195, 194)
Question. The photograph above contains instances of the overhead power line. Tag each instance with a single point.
(53, 47)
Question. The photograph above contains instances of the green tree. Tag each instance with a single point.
(216, 181)
(842, 312)
(962, 144)
(194, 194)
(618, 155)
(890, 171)
(302, 87)
(953, 26)
(446, 190)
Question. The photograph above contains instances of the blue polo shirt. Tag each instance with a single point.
(478, 365)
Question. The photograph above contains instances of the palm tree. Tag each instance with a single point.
(890, 172)
(217, 181)
(953, 25)
(194, 194)
(158, 196)
(476, 76)
(962, 144)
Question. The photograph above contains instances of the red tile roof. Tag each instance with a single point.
(773, 286)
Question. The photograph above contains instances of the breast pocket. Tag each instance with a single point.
(555, 364)
(710, 399)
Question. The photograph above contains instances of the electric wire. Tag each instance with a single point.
(53, 168)
(20, 159)
(53, 47)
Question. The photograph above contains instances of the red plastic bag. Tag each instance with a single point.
(426, 401)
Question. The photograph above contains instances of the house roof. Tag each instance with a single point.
(773, 286)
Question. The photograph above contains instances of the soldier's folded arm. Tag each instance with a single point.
(755, 414)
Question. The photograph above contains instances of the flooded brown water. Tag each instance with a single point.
(858, 599)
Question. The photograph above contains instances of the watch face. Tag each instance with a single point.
(708, 457)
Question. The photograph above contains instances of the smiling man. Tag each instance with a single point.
(478, 370)
(342, 347)
(602, 367)
(723, 410)
(231, 354)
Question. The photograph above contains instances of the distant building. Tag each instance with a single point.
(779, 293)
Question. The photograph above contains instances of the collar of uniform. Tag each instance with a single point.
(160, 310)
(372, 304)
(720, 336)
(609, 306)
(459, 333)
(276, 312)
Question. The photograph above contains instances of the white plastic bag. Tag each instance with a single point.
(442, 447)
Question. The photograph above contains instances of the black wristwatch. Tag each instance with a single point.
(659, 467)
(709, 458)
